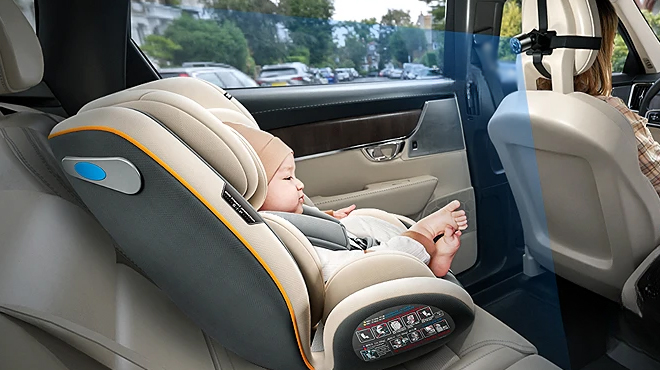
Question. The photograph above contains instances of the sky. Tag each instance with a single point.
(357, 10)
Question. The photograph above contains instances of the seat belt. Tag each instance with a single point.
(538, 43)
(87, 338)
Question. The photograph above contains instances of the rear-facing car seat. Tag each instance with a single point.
(65, 302)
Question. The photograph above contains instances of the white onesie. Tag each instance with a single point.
(386, 233)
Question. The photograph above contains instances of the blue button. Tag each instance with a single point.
(89, 171)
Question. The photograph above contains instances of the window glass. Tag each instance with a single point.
(243, 80)
(371, 40)
(228, 80)
(27, 6)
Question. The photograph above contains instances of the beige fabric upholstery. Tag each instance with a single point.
(209, 96)
(588, 212)
(567, 18)
(220, 146)
(21, 60)
(382, 266)
(307, 259)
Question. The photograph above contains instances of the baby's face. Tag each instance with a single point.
(285, 191)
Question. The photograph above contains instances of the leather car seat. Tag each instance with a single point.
(68, 302)
(588, 212)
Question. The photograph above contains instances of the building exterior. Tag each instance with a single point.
(153, 17)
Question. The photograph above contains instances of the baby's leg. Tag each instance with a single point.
(435, 223)
(446, 249)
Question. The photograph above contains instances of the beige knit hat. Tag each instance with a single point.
(271, 150)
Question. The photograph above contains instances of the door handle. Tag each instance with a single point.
(383, 152)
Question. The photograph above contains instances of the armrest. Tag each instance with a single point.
(361, 328)
(406, 196)
(371, 269)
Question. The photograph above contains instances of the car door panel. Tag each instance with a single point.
(413, 128)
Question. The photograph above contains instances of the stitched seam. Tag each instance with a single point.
(40, 148)
(341, 102)
(367, 192)
(506, 343)
(20, 157)
(45, 163)
(479, 358)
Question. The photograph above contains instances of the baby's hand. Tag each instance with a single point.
(341, 213)
(446, 249)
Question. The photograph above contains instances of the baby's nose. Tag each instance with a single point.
(301, 186)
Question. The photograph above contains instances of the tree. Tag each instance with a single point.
(396, 18)
(206, 40)
(308, 22)
(511, 26)
(356, 50)
(161, 49)
(258, 21)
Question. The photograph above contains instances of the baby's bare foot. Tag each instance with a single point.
(446, 249)
(435, 223)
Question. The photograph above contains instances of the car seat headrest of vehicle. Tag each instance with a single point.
(21, 59)
(218, 145)
(557, 44)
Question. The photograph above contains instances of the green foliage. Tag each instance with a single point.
(161, 49)
(258, 20)
(356, 50)
(396, 18)
(308, 22)
(206, 40)
(405, 42)
(429, 59)
(299, 54)
(620, 54)
(511, 26)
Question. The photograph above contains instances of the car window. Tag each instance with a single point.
(244, 80)
(512, 26)
(368, 40)
(210, 77)
(27, 7)
(229, 80)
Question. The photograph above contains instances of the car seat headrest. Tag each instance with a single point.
(217, 144)
(21, 58)
(561, 39)
(211, 97)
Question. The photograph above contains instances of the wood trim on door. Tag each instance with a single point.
(339, 134)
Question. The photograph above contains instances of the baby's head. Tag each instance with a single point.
(285, 191)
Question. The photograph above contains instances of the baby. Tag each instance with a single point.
(285, 194)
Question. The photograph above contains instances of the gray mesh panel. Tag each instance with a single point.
(190, 254)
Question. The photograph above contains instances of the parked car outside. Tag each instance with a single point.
(344, 74)
(286, 74)
(408, 68)
(222, 75)
(354, 72)
(396, 73)
(424, 73)
(328, 75)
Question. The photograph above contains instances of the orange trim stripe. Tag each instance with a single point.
(208, 205)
